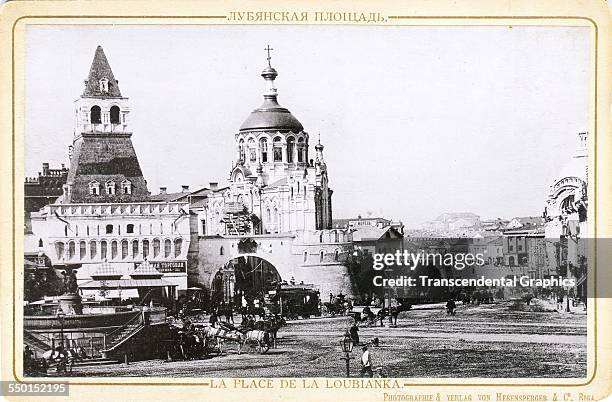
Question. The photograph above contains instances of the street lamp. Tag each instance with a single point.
(60, 316)
(347, 348)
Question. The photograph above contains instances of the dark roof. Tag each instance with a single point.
(101, 69)
(272, 117)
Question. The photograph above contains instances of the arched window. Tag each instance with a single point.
(95, 115)
(93, 249)
(178, 247)
(321, 256)
(109, 229)
(321, 238)
(135, 248)
(336, 238)
(126, 187)
(305, 256)
(40, 242)
(59, 249)
(336, 255)
(221, 251)
(263, 145)
(82, 250)
(156, 247)
(290, 146)
(114, 249)
(277, 149)
(103, 249)
(71, 250)
(145, 248)
(300, 150)
(124, 249)
(114, 115)
(268, 215)
(94, 188)
(252, 150)
(167, 248)
(110, 187)
(241, 150)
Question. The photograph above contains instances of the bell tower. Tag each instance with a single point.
(103, 162)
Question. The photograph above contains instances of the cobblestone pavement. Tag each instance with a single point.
(480, 341)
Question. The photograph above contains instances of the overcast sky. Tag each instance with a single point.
(416, 121)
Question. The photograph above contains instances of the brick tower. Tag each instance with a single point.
(103, 163)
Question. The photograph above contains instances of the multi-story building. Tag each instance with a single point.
(104, 220)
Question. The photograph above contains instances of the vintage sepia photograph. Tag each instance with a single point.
(377, 202)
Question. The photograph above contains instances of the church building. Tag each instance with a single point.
(278, 196)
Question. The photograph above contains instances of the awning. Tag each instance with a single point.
(126, 284)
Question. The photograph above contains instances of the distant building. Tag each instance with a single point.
(454, 224)
(372, 239)
(42, 190)
(354, 223)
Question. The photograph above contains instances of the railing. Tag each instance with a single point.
(121, 334)
(78, 322)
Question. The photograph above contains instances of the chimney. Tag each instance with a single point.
(162, 190)
(213, 185)
(185, 188)
(45, 169)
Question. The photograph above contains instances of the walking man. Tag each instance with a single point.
(366, 363)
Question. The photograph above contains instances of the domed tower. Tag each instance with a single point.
(272, 136)
(272, 154)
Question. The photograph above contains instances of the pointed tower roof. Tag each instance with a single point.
(100, 70)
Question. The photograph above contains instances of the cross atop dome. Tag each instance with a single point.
(268, 49)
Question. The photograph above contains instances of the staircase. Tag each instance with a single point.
(122, 334)
(37, 342)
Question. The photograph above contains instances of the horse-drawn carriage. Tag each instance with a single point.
(221, 337)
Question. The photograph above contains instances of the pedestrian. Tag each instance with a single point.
(354, 333)
(213, 319)
(450, 307)
(366, 362)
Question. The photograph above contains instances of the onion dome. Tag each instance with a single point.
(271, 116)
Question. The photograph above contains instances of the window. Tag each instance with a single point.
(241, 150)
(263, 145)
(95, 115)
(252, 150)
(124, 249)
(290, 147)
(59, 249)
(156, 247)
(336, 255)
(510, 247)
(167, 248)
(94, 188)
(126, 187)
(114, 249)
(300, 149)
(203, 226)
(178, 244)
(103, 249)
(82, 250)
(114, 115)
(110, 187)
(135, 248)
(109, 229)
(305, 256)
(93, 249)
(321, 256)
(145, 249)
(221, 251)
(130, 228)
(277, 149)
(103, 85)
(71, 250)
